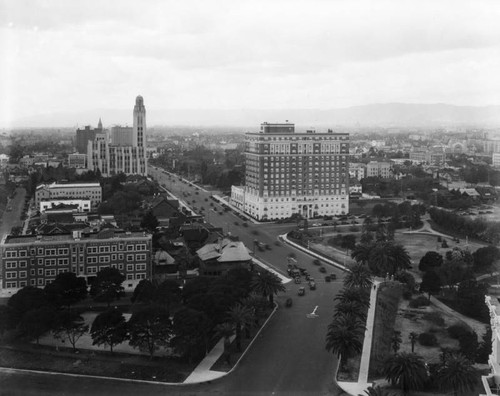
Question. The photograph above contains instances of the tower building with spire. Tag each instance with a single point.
(122, 151)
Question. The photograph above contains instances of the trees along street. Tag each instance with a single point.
(289, 356)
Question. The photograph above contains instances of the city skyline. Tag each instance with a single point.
(79, 56)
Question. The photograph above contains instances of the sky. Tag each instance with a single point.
(63, 56)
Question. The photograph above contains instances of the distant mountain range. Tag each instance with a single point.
(385, 115)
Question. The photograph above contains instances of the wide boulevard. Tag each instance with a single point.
(288, 358)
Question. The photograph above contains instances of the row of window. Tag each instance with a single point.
(44, 281)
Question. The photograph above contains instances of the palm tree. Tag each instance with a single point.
(458, 374)
(350, 307)
(413, 339)
(361, 252)
(388, 257)
(225, 330)
(267, 284)
(258, 304)
(344, 336)
(406, 370)
(358, 276)
(242, 317)
(353, 294)
(396, 341)
(400, 259)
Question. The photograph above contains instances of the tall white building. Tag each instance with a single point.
(295, 173)
(112, 155)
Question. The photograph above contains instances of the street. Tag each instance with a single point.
(288, 358)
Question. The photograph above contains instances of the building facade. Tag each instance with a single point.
(81, 205)
(122, 136)
(29, 260)
(83, 136)
(77, 160)
(53, 191)
(357, 170)
(495, 160)
(378, 169)
(111, 156)
(295, 173)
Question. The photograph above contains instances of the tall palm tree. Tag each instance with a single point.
(358, 276)
(388, 258)
(343, 337)
(406, 370)
(400, 259)
(242, 316)
(396, 341)
(458, 374)
(354, 294)
(225, 330)
(361, 252)
(350, 307)
(258, 304)
(267, 284)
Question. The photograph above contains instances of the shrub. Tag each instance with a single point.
(457, 330)
(435, 318)
(427, 339)
(418, 302)
(407, 294)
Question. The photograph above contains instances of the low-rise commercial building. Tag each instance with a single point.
(52, 191)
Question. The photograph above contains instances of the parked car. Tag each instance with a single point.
(312, 285)
(322, 270)
(333, 276)
(297, 280)
(328, 279)
(302, 291)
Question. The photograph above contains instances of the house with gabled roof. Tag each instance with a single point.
(216, 259)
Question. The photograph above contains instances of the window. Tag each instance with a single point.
(40, 281)
(9, 285)
(104, 259)
(140, 257)
(130, 257)
(23, 274)
(130, 267)
(140, 267)
(10, 264)
(50, 272)
(130, 276)
(130, 248)
(10, 275)
(140, 276)
(33, 282)
(91, 270)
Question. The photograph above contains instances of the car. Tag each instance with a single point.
(312, 285)
(322, 270)
(302, 291)
(328, 279)
(333, 276)
(297, 280)
(308, 277)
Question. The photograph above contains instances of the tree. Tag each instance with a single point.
(107, 286)
(406, 370)
(27, 299)
(37, 322)
(109, 328)
(190, 329)
(470, 296)
(361, 253)
(144, 292)
(485, 257)
(66, 290)
(430, 260)
(431, 283)
(70, 326)
(354, 295)
(167, 293)
(358, 276)
(348, 242)
(458, 374)
(267, 284)
(343, 337)
(396, 341)
(413, 339)
(149, 221)
(225, 330)
(242, 317)
(350, 308)
(149, 329)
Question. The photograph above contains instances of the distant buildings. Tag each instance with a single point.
(83, 136)
(378, 169)
(357, 170)
(57, 191)
(432, 156)
(495, 160)
(29, 260)
(124, 151)
(294, 173)
(77, 160)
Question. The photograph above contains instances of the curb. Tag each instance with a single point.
(254, 338)
(284, 237)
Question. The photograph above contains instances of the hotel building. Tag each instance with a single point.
(29, 260)
(294, 173)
